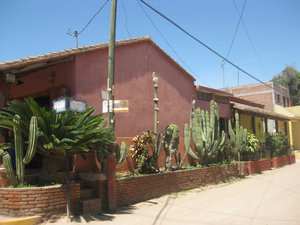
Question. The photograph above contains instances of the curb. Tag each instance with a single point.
(32, 220)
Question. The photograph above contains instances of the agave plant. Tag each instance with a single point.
(75, 132)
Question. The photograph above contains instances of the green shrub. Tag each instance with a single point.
(140, 152)
(277, 144)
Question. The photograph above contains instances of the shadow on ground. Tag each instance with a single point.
(103, 216)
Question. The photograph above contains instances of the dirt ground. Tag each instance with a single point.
(271, 198)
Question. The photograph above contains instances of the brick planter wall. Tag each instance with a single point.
(136, 189)
(292, 159)
(259, 166)
(36, 201)
(283, 160)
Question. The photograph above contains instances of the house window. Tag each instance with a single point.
(285, 128)
(253, 124)
(283, 99)
(276, 126)
(278, 98)
(221, 99)
(203, 96)
(222, 124)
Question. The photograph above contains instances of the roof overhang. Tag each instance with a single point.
(259, 112)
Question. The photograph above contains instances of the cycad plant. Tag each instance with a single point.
(75, 132)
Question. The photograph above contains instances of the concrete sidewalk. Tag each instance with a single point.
(271, 198)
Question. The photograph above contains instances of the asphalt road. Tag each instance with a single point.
(271, 198)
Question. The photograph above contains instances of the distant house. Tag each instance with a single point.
(269, 95)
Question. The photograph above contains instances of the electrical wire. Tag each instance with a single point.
(251, 42)
(126, 19)
(169, 45)
(236, 29)
(202, 43)
(93, 17)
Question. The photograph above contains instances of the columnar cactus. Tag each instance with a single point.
(159, 138)
(238, 136)
(187, 132)
(206, 133)
(171, 144)
(18, 176)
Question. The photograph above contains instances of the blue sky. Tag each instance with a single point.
(35, 27)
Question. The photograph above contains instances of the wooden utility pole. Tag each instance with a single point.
(111, 63)
(111, 161)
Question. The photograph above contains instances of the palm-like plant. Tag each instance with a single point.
(75, 132)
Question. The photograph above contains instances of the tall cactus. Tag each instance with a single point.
(206, 133)
(18, 176)
(187, 132)
(238, 136)
(159, 138)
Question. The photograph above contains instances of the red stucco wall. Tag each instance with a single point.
(133, 81)
(38, 82)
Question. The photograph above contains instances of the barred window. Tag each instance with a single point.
(221, 99)
(203, 96)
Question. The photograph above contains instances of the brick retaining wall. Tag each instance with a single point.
(136, 189)
(283, 160)
(36, 201)
(259, 166)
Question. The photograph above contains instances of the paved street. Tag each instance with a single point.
(271, 198)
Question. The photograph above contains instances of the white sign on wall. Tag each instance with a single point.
(119, 106)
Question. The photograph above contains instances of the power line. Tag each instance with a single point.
(202, 43)
(170, 46)
(126, 19)
(76, 33)
(93, 17)
(236, 29)
(250, 40)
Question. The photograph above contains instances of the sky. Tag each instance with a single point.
(266, 41)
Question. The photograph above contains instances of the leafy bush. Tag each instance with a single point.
(251, 148)
(277, 144)
(140, 152)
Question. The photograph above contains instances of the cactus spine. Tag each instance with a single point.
(171, 144)
(18, 177)
(206, 133)
(238, 137)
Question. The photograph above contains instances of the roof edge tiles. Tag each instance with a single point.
(19, 63)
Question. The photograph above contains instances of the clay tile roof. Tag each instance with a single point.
(259, 112)
(14, 64)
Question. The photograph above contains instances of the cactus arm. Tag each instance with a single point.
(223, 138)
(31, 150)
(9, 170)
(19, 151)
(123, 153)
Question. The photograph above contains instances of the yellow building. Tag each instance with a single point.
(294, 124)
(256, 120)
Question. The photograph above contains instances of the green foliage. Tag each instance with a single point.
(171, 144)
(238, 138)
(251, 149)
(206, 133)
(277, 144)
(75, 132)
(141, 154)
(290, 78)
